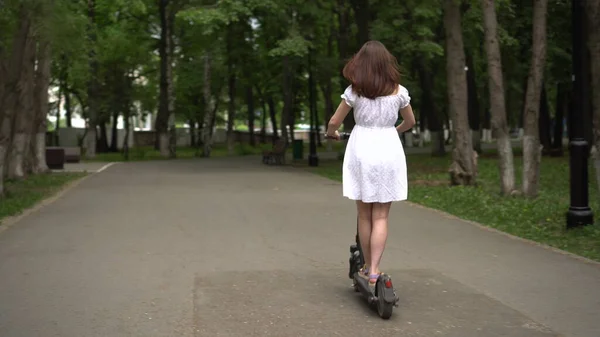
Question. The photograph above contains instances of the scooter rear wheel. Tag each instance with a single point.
(384, 309)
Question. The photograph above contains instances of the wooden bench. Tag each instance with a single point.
(276, 155)
(72, 154)
(55, 158)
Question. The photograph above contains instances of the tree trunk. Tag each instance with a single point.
(531, 143)
(232, 90)
(273, 115)
(544, 123)
(327, 87)
(429, 109)
(208, 111)
(593, 20)
(231, 112)
(294, 108)
(436, 115)
(361, 17)
(102, 146)
(474, 110)
(126, 118)
(118, 97)
(3, 139)
(570, 108)
(586, 103)
(199, 121)
(343, 52)
(450, 130)
(55, 141)
(561, 108)
(196, 123)
(318, 127)
(486, 124)
(162, 118)
(10, 97)
(68, 112)
(93, 106)
(23, 113)
(423, 124)
(329, 108)
(485, 100)
(61, 92)
(287, 99)
(521, 119)
(214, 111)
(251, 116)
(126, 112)
(497, 100)
(171, 127)
(463, 169)
(42, 82)
(66, 92)
(263, 125)
(114, 147)
(193, 141)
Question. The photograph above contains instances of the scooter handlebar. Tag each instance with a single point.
(343, 136)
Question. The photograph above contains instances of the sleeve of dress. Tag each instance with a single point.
(349, 96)
(404, 97)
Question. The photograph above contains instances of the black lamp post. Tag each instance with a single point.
(313, 158)
(579, 214)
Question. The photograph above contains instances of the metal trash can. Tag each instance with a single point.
(298, 149)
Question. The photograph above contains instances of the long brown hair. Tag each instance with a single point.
(373, 71)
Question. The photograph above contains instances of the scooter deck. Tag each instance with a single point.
(365, 289)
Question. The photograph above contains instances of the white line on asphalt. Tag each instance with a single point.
(105, 167)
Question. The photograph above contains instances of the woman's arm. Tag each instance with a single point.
(338, 118)
(408, 119)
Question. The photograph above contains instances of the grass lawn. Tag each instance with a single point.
(23, 194)
(149, 153)
(542, 219)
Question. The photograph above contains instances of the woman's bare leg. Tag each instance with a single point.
(364, 229)
(379, 231)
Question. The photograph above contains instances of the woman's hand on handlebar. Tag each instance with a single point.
(335, 136)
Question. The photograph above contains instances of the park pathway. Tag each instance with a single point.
(228, 247)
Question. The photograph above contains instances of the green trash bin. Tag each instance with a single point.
(298, 149)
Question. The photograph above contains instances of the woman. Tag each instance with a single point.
(374, 170)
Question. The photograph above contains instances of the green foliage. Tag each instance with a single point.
(265, 31)
(215, 16)
(294, 45)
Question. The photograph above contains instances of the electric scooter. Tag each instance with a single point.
(382, 295)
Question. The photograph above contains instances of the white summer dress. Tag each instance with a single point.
(374, 167)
